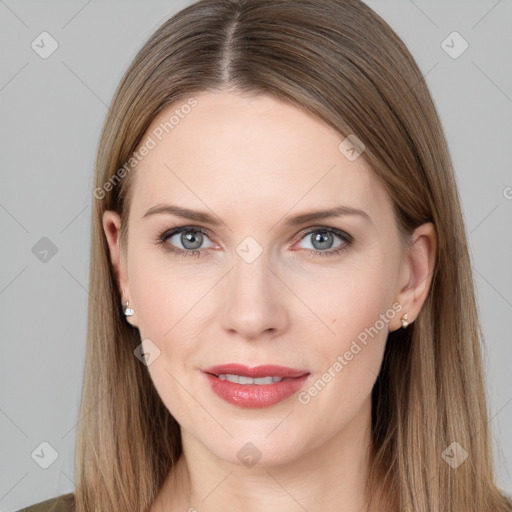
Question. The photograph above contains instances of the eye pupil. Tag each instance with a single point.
(324, 238)
(190, 236)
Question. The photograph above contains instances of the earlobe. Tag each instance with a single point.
(419, 263)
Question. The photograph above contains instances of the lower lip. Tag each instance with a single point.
(253, 396)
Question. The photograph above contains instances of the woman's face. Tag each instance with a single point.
(254, 287)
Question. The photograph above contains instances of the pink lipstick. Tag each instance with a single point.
(254, 387)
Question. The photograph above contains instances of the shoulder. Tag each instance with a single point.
(62, 503)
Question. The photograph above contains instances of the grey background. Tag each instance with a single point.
(52, 111)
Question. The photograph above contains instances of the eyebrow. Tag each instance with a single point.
(293, 220)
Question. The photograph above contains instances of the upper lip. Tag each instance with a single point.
(266, 370)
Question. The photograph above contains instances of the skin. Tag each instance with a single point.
(251, 161)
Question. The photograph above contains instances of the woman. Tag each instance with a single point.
(344, 374)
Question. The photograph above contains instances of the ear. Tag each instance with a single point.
(112, 229)
(416, 273)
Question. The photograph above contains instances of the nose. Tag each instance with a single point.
(254, 304)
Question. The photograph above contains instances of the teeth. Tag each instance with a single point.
(242, 379)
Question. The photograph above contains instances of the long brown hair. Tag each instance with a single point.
(338, 60)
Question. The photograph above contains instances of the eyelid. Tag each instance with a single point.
(329, 229)
(179, 229)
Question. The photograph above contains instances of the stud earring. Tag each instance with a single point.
(127, 310)
(405, 323)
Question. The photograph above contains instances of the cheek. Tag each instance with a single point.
(170, 305)
(164, 293)
(166, 302)
(356, 308)
(347, 300)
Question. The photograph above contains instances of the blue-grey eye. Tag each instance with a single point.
(189, 239)
(322, 240)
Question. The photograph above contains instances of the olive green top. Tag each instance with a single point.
(62, 503)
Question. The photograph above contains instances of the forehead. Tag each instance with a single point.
(251, 154)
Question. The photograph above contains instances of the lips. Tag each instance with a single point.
(233, 383)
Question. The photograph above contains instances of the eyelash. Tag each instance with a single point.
(161, 241)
